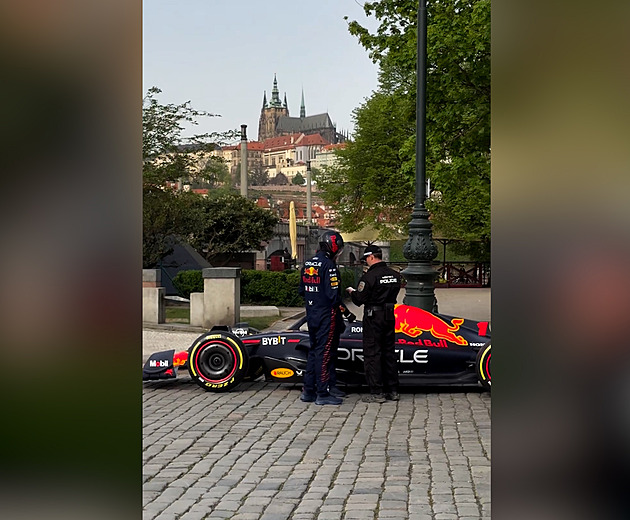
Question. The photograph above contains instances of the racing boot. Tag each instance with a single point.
(307, 397)
(334, 391)
(392, 396)
(374, 398)
(329, 399)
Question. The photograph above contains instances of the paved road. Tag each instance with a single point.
(260, 453)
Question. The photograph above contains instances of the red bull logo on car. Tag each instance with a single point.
(413, 321)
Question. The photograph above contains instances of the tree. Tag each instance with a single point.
(226, 222)
(374, 181)
(168, 157)
(298, 180)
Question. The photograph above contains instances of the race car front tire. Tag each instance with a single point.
(217, 361)
(483, 366)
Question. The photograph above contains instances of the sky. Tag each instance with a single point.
(221, 55)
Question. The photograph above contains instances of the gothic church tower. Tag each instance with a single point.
(271, 112)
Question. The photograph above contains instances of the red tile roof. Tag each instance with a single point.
(280, 142)
(311, 140)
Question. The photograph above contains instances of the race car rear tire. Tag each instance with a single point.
(483, 366)
(217, 361)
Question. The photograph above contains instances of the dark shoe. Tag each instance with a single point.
(308, 398)
(374, 398)
(392, 396)
(329, 399)
(334, 391)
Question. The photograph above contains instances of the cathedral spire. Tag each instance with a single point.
(302, 107)
(264, 99)
(275, 94)
(285, 101)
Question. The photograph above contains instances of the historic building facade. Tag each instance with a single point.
(275, 120)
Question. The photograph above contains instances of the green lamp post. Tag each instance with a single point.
(420, 250)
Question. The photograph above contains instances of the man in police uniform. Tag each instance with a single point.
(320, 287)
(377, 291)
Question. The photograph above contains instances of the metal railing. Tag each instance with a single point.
(453, 274)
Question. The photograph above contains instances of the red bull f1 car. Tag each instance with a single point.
(431, 349)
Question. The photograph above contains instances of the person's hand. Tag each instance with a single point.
(350, 290)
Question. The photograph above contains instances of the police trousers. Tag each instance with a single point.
(379, 354)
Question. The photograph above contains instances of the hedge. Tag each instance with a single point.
(279, 288)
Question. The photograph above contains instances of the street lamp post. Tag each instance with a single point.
(244, 160)
(420, 249)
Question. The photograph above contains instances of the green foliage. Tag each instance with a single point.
(298, 180)
(186, 282)
(278, 288)
(169, 214)
(366, 186)
(226, 222)
(374, 182)
(348, 277)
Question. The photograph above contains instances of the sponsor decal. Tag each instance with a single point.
(333, 278)
(311, 271)
(310, 263)
(275, 340)
(353, 354)
(311, 279)
(240, 332)
(311, 288)
(155, 363)
(477, 344)
(334, 247)
(356, 330)
(217, 385)
(413, 321)
(483, 328)
(282, 372)
(180, 358)
(424, 343)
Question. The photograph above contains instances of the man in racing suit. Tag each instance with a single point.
(377, 291)
(320, 287)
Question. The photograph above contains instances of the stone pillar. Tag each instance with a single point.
(221, 296)
(196, 309)
(153, 296)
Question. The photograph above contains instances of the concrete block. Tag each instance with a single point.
(151, 278)
(153, 310)
(259, 310)
(221, 296)
(196, 309)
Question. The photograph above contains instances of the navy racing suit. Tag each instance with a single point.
(321, 288)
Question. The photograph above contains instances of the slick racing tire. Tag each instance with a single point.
(217, 361)
(483, 366)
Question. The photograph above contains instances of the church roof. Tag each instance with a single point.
(297, 125)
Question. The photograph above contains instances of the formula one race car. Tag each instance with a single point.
(432, 349)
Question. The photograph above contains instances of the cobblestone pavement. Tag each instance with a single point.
(260, 453)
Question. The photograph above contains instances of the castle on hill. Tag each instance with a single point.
(275, 120)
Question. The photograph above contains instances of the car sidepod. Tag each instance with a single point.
(280, 356)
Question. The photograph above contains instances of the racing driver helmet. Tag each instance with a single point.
(331, 243)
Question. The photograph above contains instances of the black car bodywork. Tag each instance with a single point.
(431, 349)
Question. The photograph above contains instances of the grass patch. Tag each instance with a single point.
(177, 315)
(182, 315)
(261, 322)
